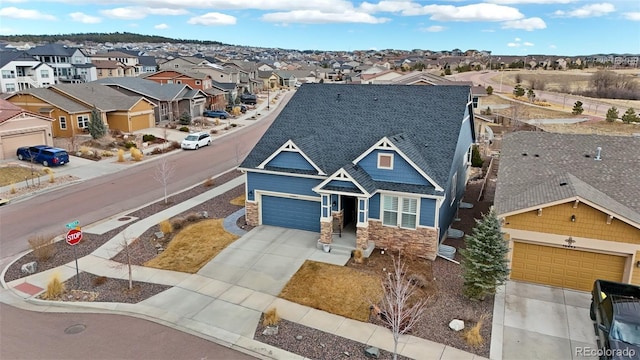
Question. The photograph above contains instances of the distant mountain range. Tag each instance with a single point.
(116, 37)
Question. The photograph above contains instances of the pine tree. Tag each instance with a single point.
(96, 126)
(485, 258)
(630, 116)
(489, 90)
(577, 108)
(612, 114)
(531, 95)
(518, 90)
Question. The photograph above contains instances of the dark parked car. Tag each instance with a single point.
(216, 114)
(615, 308)
(248, 99)
(43, 154)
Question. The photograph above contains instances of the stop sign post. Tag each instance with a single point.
(74, 235)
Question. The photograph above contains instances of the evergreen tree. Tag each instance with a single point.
(476, 159)
(96, 126)
(577, 108)
(630, 116)
(518, 90)
(531, 95)
(489, 90)
(612, 114)
(185, 119)
(485, 258)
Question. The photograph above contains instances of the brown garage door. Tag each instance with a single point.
(562, 267)
(11, 143)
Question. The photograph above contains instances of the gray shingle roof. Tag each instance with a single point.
(100, 96)
(562, 166)
(349, 119)
(58, 100)
(147, 88)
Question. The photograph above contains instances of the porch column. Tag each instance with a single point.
(326, 220)
(362, 225)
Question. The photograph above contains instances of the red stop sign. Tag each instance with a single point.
(73, 236)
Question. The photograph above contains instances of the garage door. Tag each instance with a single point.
(562, 267)
(291, 213)
(11, 143)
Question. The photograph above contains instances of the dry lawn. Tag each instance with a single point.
(336, 289)
(238, 201)
(193, 247)
(600, 128)
(15, 174)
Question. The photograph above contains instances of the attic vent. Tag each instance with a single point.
(402, 137)
(587, 155)
(338, 97)
(598, 153)
(536, 155)
(563, 183)
(375, 99)
(524, 154)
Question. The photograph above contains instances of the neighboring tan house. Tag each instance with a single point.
(570, 208)
(171, 100)
(19, 127)
(380, 77)
(71, 105)
(112, 68)
(22, 71)
(386, 163)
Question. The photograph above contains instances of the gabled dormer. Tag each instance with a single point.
(388, 160)
(350, 180)
(290, 157)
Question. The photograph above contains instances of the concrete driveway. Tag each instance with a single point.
(541, 322)
(266, 258)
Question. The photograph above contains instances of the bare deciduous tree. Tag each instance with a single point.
(163, 174)
(400, 308)
(124, 248)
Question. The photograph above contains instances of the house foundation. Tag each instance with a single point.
(421, 242)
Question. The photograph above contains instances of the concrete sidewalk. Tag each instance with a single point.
(219, 302)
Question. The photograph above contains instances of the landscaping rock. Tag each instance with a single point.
(456, 324)
(270, 330)
(29, 268)
(159, 235)
(372, 352)
(203, 214)
(298, 337)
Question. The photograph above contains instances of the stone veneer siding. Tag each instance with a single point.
(421, 241)
(326, 232)
(362, 237)
(251, 213)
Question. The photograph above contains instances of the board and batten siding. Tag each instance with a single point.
(290, 160)
(402, 171)
(287, 184)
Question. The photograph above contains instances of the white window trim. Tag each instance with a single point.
(380, 155)
(454, 185)
(399, 212)
(84, 124)
(63, 122)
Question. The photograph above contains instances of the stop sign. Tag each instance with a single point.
(73, 236)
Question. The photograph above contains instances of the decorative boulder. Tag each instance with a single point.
(270, 330)
(29, 268)
(456, 324)
(372, 352)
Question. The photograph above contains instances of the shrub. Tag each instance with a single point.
(217, 121)
(47, 170)
(99, 280)
(84, 150)
(129, 144)
(156, 151)
(418, 280)
(42, 246)
(476, 159)
(175, 145)
(214, 131)
(166, 227)
(136, 154)
(271, 317)
(13, 189)
(184, 129)
(185, 119)
(178, 223)
(52, 178)
(192, 217)
(473, 336)
(55, 288)
(173, 126)
(120, 155)
(106, 153)
(234, 125)
(148, 138)
(358, 257)
(489, 90)
(209, 182)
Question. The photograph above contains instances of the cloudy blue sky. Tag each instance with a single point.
(562, 27)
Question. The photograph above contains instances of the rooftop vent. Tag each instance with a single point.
(598, 153)
(524, 154)
(338, 97)
(563, 183)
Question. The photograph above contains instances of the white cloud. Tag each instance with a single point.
(15, 13)
(513, 44)
(139, 12)
(488, 30)
(633, 16)
(517, 42)
(434, 28)
(552, 46)
(592, 10)
(319, 17)
(529, 44)
(213, 19)
(161, 26)
(517, 39)
(219, 5)
(530, 24)
(513, 2)
(473, 12)
(84, 18)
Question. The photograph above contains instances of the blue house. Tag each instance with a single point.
(388, 162)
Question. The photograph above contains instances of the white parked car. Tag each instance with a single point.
(196, 140)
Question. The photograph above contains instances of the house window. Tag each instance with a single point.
(11, 87)
(454, 184)
(469, 155)
(63, 122)
(385, 161)
(176, 66)
(8, 74)
(178, 81)
(198, 82)
(44, 73)
(83, 121)
(399, 211)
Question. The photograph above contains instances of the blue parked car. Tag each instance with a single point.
(216, 114)
(43, 154)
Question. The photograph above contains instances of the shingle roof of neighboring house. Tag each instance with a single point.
(107, 64)
(52, 50)
(9, 56)
(224, 85)
(334, 125)
(8, 111)
(147, 88)
(562, 166)
(57, 100)
(147, 61)
(100, 96)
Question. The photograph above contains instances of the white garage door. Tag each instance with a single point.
(10, 143)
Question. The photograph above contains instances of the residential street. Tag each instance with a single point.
(34, 335)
